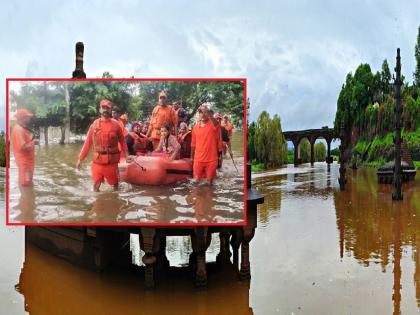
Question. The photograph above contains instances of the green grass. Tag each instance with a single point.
(256, 167)
(417, 164)
(290, 157)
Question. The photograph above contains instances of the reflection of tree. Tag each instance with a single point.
(269, 187)
(371, 226)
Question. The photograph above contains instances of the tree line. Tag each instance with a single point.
(74, 105)
(366, 101)
(365, 107)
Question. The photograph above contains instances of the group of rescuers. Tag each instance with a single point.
(112, 139)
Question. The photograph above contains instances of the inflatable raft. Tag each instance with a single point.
(154, 170)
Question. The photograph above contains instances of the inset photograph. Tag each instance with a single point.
(126, 151)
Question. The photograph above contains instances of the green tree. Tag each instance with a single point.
(269, 142)
(417, 56)
(2, 149)
(385, 77)
(305, 150)
(250, 143)
(319, 152)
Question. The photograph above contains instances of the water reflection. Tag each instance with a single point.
(332, 252)
(375, 230)
(52, 286)
(63, 194)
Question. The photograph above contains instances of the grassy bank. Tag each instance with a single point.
(380, 150)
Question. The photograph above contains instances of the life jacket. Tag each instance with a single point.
(160, 119)
(106, 144)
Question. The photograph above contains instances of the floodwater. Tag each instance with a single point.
(63, 194)
(316, 250)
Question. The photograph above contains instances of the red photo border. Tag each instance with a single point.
(154, 224)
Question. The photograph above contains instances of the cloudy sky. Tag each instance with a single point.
(295, 54)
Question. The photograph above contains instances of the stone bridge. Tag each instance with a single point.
(312, 135)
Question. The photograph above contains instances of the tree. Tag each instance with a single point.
(269, 142)
(305, 150)
(250, 143)
(319, 152)
(385, 77)
(417, 55)
(2, 149)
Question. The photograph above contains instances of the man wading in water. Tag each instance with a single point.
(23, 146)
(106, 136)
(206, 147)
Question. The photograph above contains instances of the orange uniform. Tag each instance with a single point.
(25, 157)
(106, 137)
(161, 116)
(207, 142)
(229, 128)
(125, 133)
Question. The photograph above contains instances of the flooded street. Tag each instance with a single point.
(316, 250)
(63, 194)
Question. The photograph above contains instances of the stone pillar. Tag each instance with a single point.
(79, 73)
(397, 195)
(247, 235)
(235, 242)
(200, 241)
(224, 254)
(149, 243)
(312, 151)
(342, 179)
(297, 153)
(329, 159)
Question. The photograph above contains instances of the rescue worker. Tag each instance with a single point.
(105, 135)
(184, 139)
(206, 147)
(23, 146)
(228, 126)
(181, 115)
(162, 115)
(136, 141)
(224, 133)
(168, 145)
(124, 121)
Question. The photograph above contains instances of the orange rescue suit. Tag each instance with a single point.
(161, 116)
(106, 136)
(25, 158)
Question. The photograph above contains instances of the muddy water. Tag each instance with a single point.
(316, 250)
(332, 252)
(63, 194)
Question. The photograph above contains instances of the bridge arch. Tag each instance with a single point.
(312, 135)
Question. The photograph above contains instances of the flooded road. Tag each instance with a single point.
(316, 250)
(63, 194)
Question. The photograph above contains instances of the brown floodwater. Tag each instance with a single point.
(316, 250)
(63, 194)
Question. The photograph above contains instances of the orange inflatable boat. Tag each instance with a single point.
(154, 170)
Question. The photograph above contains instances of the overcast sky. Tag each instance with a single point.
(295, 54)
